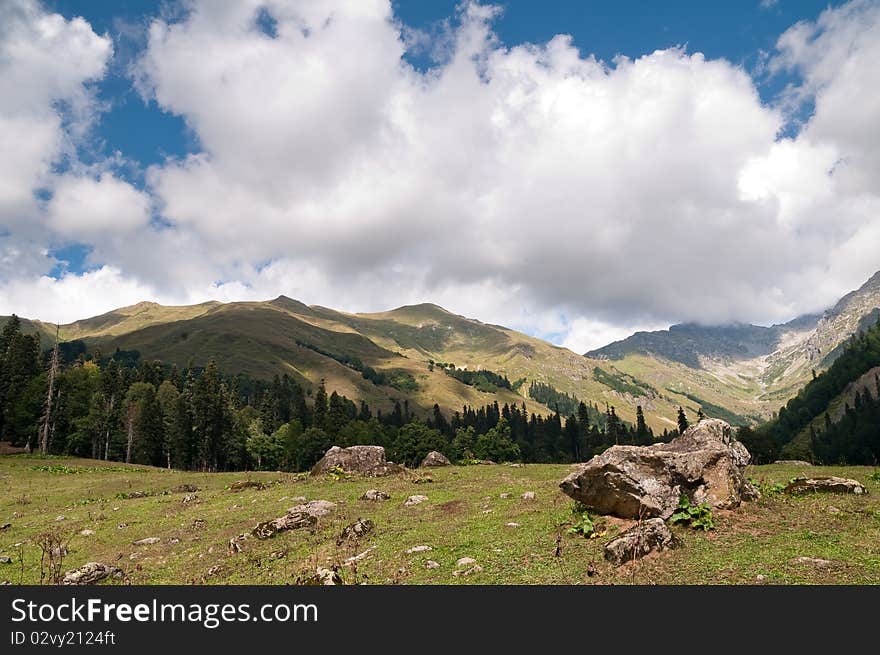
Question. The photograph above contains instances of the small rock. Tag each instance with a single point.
(792, 462)
(465, 561)
(431, 564)
(418, 549)
(5, 526)
(818, 562)
(290, 521)
(488, 511)
(359, 557)
(198, 524)
(639, 540)
(5, 559)
(516, 465)
(185, 488)
(146, 541)
(316, 508)
(298, 499)
(214, 570)
(833, 510)
(375, 495)
(174, 540)
(512, 524)
(474, 569)
(90, 573)
(60, 518)
(831, 484)
(435, 458)
(122, 525)
(414, 500)
(356, 531)
(529, 495)
(505, 496)
(189, 498)
(87, 532)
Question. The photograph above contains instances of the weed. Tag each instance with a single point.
(698, 517)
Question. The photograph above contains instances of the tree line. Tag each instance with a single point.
(120, 408)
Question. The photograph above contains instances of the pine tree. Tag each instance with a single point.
(320, 408)
(682, 421)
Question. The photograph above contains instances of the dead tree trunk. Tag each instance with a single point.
(47, 416)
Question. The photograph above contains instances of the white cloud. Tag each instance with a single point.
(529, 186)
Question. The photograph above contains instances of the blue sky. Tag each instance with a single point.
(242, 150)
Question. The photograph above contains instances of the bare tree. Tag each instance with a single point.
(47, 416)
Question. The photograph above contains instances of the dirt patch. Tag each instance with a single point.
(452, 507)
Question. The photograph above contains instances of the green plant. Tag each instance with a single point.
(698, 517)
(875, 476)
(336, 473)
(768, 488)
(583, 526)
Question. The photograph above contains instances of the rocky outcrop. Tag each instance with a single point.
(830, 484)
(90, 573)
(643, 538)
(374, 495)
(435, 458)
(366, 460)
(706, 463)
(290, 521)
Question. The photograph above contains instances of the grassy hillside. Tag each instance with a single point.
(465, 516)
(313, 343)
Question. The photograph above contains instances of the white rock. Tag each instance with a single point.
(529, 495)
(512, 524)
(431, 564)
(415, 500)
(146, 541)
(466, 561)
(87, 532)
(418, 549)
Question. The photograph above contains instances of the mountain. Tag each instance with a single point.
(835, 418)
(741, 373)
(750, 370)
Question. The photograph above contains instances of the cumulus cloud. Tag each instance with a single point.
(527, 185)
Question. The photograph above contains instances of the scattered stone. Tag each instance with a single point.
(516, 465)
(198, 524)
(818, 562)
(505, 496)
(90, 573)
(236, 542)
(418, 549)
(760, 577)
(529, 495)
(639, 540)
(431, 564)
(298, 499)
(414, 500)
(214, 570)
(833, 510)
(356, 531)
(465, 561)
(512, 524)
(133, 494)
(290, 521)
(87, 532)
(5, 526)
(279, 554)
(322, 576)
(359, 556)
(189, 498)
(315, 508)
(488, 511)
(706, 463)
(241, 485)
(185, 489)
(60, 518)
(435, 458)
(792, 462)
(5, 559)
(476, 568)
(829, 484)
(375, 495)
(147, 541)
(366, 460)
(174, 540)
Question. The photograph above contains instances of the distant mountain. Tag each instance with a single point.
(752, 368)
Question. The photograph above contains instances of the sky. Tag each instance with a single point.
(575, 170)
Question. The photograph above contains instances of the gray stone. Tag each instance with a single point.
(316, 508)
(415, 500)
(87, 532)
(5, 559)
(641, 539)
(829, 484)
(147, 541)
(431, 564)
(818, 562)
(435, 458)
(356, 531)
(466, 561)
(90, 573)
(706, 463)
(418, 549)
(366, 460)
(528, 495)
(290, 521)
(792, 462)
(375, 495)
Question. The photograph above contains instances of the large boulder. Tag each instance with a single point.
(435, 458)
(366, 460)
(706, 463)
(643, 538)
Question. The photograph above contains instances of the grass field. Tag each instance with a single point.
(464, 516)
